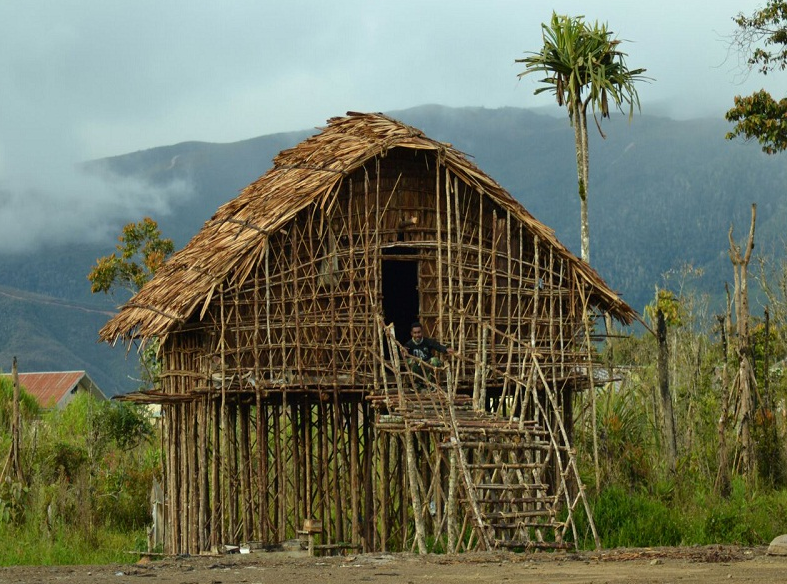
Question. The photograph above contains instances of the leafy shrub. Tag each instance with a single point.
(634, 519)
(13, 501)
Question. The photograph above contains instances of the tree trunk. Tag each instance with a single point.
(745, 377)
(666, 397)
(579, 119)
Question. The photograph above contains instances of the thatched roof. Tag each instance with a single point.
(234, 239)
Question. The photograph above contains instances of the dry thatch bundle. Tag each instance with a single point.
(232, 242)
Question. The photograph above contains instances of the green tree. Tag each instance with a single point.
(140, 252)
(584, 68)
(762, 39)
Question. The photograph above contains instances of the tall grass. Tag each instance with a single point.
(642, 518)
(88, 472)
(28, 545)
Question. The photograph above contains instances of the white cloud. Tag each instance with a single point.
(84, 79)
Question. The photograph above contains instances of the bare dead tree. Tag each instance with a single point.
(744, 385)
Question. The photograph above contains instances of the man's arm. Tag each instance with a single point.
(438, 347)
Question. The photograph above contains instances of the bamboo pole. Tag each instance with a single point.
(223, 505)
(295, 457)
(412, 467)
(204, 491)
(337, 494)
(324, 467)
(232, 479)
(456, 442)
(264, 487)
(354, 479)
(307, 422)
(353, 336)
(216, 515)
(491, 347)
(245, 473)
(279, 478)
(479, 302)
(591, 384)
(453, 534)
(460, 250)
(439, 245)
(368, 481)
(385, 486)
(192, 472)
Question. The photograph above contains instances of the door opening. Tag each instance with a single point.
(400, 295)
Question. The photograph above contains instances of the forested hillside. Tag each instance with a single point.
(663, 193)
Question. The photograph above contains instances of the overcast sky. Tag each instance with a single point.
(87, 79)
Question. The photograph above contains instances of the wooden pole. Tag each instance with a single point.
(16, 427)
(666, 397)
(355, 485)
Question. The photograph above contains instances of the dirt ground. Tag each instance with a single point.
(710, 564)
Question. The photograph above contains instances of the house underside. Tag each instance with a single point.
(287, 399)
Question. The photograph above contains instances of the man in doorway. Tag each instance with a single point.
(422, 349)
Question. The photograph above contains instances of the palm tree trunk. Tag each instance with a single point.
(583, 162)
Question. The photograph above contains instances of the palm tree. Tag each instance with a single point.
(583, 67)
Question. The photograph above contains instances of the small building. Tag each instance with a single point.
(281, 325)
(55, 389)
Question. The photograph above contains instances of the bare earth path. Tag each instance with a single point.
(710, 564)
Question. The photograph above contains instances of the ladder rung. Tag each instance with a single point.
(502, 445)
(520, 524)
(515, 487)
(503, 465)
(512, 500)
(519, 514)
(534, 544)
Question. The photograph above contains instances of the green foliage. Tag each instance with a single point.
(13, 500)
(64, 461)
(769, 448)
(767, 25)
(25, 545)
(670, 307)
(90, 468)
(686, 516)
(625, 437)
(762, 38)
(98, 425)
(140, 253)
(583, 66)
(635, 519)
(28, 406)
(759, 116)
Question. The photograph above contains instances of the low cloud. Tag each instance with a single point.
(68, 205)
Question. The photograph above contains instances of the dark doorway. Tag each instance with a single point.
(400, 295)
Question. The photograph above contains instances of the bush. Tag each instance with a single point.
(626, 519)
(681, 515)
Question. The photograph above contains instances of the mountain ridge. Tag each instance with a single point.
(662, 195)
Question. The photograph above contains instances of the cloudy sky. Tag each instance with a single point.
(85, 79)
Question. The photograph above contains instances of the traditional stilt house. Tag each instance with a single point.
(286, 400)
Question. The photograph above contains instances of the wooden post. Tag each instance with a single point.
(666, 397)
(355, 485)
(16, 427)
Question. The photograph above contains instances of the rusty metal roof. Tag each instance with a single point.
(49, 388)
